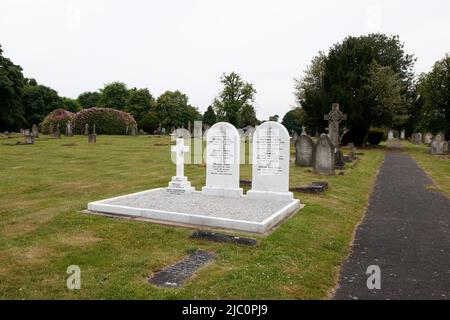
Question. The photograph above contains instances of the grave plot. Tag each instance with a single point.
(221, 203)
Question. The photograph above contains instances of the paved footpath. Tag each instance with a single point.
(406, 232)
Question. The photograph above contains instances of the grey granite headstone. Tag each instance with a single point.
(402, 134)
(428, 138)
(86, 129)
(35, 130)
(304, 151)
(324, 156)
(437, 145)
(69, 130)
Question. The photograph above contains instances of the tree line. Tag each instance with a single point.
(370, 76)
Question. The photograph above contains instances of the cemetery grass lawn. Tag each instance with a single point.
(42, 231)
(437, 167)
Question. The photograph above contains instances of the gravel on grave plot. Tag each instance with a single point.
(197, 204)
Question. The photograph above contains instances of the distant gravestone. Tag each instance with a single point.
(222, 161)
(270, 167)
(134, 130)
(445, 147)
(419, 138)
(428, 138)
(437, 145)
(163, 131)
(304, 151)
(26, 132)
(69, 130)
(35, 131)
(86, 129)
(391, 135)
(51, 129)
(57, 133)
(402, 134)
(324, 156)
(92, 138)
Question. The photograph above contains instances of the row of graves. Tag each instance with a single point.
(436, 144)
(221, 202)
(324, 155)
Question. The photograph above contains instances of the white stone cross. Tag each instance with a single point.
(180, 149)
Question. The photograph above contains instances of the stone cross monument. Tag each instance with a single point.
(334, 118)
(179, 183)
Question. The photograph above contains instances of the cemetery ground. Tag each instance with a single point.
(45, 186)
(437, 167)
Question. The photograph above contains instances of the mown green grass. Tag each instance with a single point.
(43, 188)
(436, 166)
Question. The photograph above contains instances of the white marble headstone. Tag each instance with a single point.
(222, 161)
(271, 155)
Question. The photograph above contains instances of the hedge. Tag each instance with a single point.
(60, 116)
(106, 120)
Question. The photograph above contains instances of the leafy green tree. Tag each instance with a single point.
(275, 118)
(247, 116)
(209, 117)
(434, 98)
(89, 99)
(384, 88)
(343, 74)
(70, 104)
(149, 122)
(11, 90)
(114, 95)
(293, 120)
(236, 97)
(139, 103)
(173, 110)
(38, 101)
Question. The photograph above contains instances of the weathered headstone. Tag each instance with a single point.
(324, 156)
(69, 130)
(51, 129)
(163, 131)
(26, 132)
(334, 118)
(428, 138)
(29, 138)
(35, 131)
(437, 145)
(86, 129)
(339, 161)
(57, 133)
(133, 130)
(402, 134)
(304, 151)
(179, 183)
(270, 167)
(391, 135)
(222, 161)
(92, 138)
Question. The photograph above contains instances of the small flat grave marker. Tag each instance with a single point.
(174, 276)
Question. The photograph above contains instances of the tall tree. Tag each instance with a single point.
(275, 118)
(11, 90)
(139, 102)
(114, 95)
(209, 117)
(434, 98)
(293, 120)
(237, 96)
(89, 99)
(384, 88)
(343, 74)
(38, 101)
(173, 110)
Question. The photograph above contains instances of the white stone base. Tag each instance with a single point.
(135, 206)
(270, 195)
(179, 185)
(223, 192)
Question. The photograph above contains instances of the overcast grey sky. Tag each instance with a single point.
(75, 46)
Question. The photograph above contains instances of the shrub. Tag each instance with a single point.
(149, 123)
(60, 116)
(106, 120)
(376, 135)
